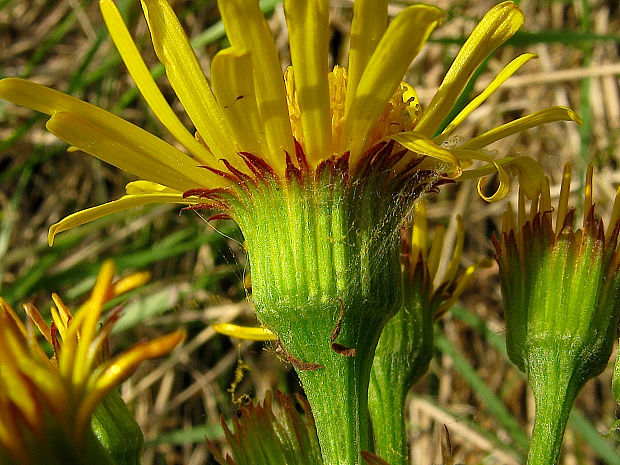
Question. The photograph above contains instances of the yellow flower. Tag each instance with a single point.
(46, 404)
(251, 122)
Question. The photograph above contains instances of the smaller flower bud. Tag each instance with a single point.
(405, 347)
(561, 293)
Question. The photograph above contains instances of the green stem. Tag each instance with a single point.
(552, 413)
(388, 410)
(338, 395)
(555, 386)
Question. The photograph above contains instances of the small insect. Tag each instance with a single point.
(235, 101)
(242, 367)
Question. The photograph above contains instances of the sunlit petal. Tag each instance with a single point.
(108, 375)
(420, 144)
(493, 166)
(186, 77)
(146, 84)
(497, 26)
(368, 26)
(233, 86)
(129, 148)
(308, 26)
(539, 118)
(124, 203)
(247, 29)
(508, 71)
(457, 254)
(148, 187)
(383, 74)
(92, 312)
(245, 332)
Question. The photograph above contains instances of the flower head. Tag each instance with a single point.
(46, 404)
(561, 292)
(274, 432)
(560, 284)
(252, 123)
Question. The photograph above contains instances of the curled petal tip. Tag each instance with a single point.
(51, 233)
(575, 116)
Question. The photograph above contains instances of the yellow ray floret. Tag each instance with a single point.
(234, 88)
(67, 388)
(247, 29)
(146, 84)
(186, 77)
(368, 26)
(308, 23)
(245, 332)
(497, 26)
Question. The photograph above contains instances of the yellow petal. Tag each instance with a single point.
(146, 84)
(245, 332)
(563, 199)
(615, 214)
(368, 26)
(434, 254)
(461, 285)
(587, 201)
(122, 366)
(308, 26)
(539, 118)
(112, 373)
(163, 162)
(508, 71)
(128, 283)
(187, 79)
(233, 85)
(63, 314)
(494, 166)
(131, 149)
(383, 74)
(420, 144)
(124, 203)
(497, 26)
(531, 176)
(92, 312)
(419, 232)
(11, 316)
(147, 187)
(38, 320)
(247, 29)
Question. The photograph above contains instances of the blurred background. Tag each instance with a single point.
(472, 398)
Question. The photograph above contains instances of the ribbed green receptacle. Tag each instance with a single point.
(325, 278)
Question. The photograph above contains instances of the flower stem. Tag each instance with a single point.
(555, 389)
(338, 395)
(549, 426)
(388, 412)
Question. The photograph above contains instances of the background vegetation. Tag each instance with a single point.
(473, 406)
